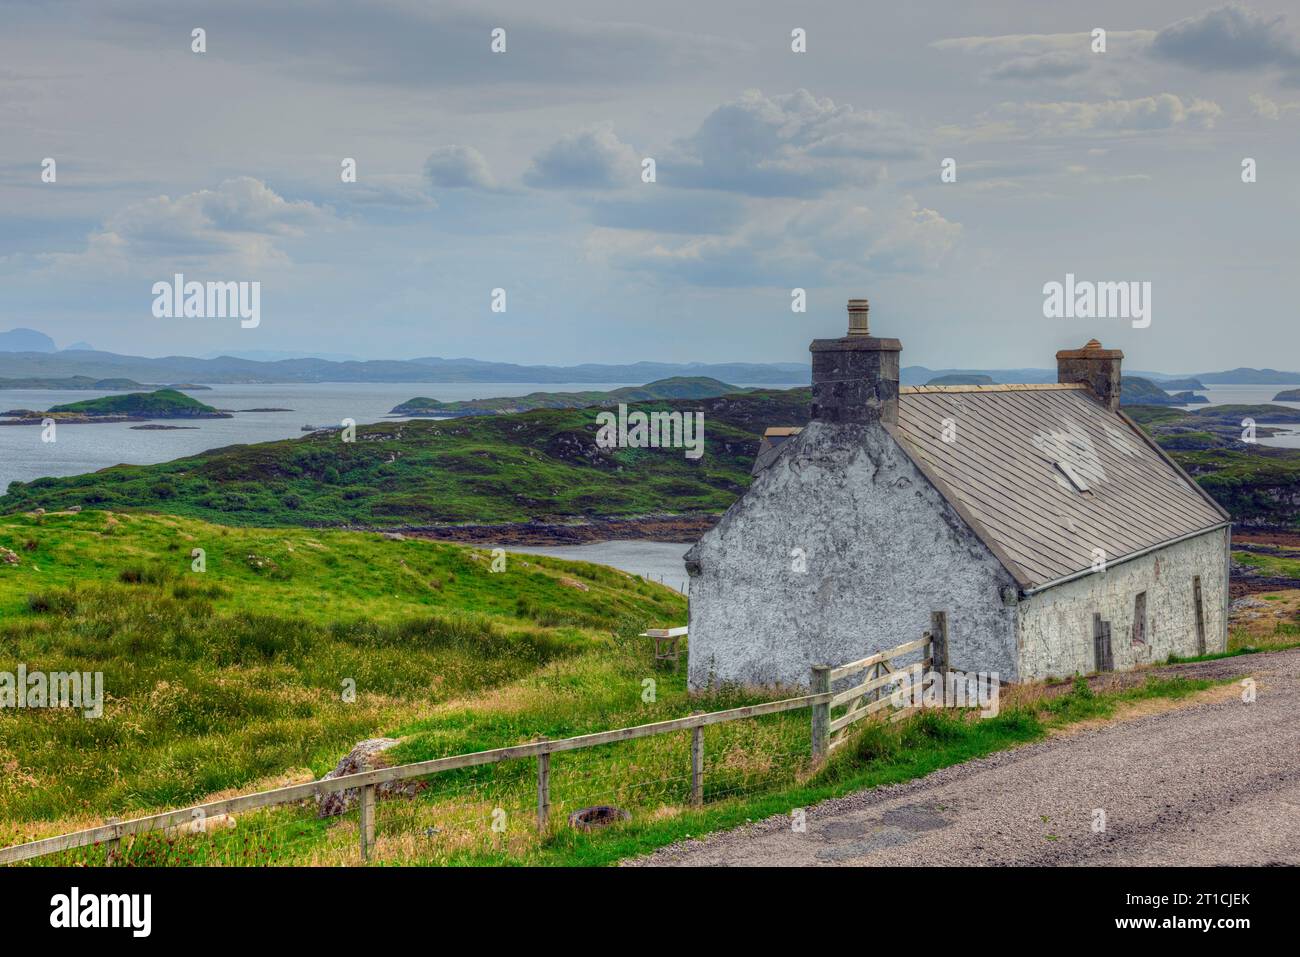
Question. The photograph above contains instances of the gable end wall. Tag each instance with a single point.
(882, 548)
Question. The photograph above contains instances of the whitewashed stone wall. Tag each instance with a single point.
(1056, 625)
(882, 551)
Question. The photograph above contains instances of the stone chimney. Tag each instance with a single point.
(855, 378)
(1095, 367)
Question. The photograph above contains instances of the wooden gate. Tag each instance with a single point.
(874, 694)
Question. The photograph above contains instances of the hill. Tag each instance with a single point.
(1247, 376)
(1187, 384)
(959, 378)
(159, 404)
(545, 467)
(71, 383)
(1138, 391)
(1287, 395)
(1258, 484)
(227, 369)
(535, 466)
(678, 387)
(26, 340)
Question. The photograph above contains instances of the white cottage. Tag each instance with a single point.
(1059, 538)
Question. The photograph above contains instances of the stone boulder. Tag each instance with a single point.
(368, 755)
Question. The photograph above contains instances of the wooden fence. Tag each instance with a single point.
(873, 694)
(821, 701)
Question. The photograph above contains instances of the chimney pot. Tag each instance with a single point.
(858, 309)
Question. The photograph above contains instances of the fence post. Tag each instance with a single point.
(112, 847)
(939, 652)
(821, 712)
(367, 819)
(543, 791)
(697, 763)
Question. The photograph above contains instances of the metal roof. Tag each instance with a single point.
(1046, 475)
(1013, 465)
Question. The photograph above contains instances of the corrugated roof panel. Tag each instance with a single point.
(994, 451)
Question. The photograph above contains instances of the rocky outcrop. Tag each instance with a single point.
(368, 755)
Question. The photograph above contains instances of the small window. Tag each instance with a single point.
(1140, 619)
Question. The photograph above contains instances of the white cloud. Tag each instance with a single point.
(1233, 37)
(790, 244)
(789, 145)
(1039, 43)
(458, 167)
(1049, 66)
(1160, 112)
(235, 226)
(1149, 114)
(1269, 109)
(592, 158)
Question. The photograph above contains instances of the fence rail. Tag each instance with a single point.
(870, 697)
(820, 701)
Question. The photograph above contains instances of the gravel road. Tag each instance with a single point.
(1207, 781)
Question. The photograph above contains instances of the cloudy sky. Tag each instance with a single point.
(774, 170)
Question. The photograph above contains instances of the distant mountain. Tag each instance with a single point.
(921, 375)
(1187, 383)
(72, 383)
(270, 355)
(25, 340)
(44, 363)
(26, 353)
(681, 387)
(1244, 376)
(958, 378)
(80, 347)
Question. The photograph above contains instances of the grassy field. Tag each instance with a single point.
(234, 677)
(761, 770)
(230, 681)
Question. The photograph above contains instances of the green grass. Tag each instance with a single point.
(1275, 566)
(739, 786)
(160, 402)
(236, 676)
(878, 754)
(318, 575)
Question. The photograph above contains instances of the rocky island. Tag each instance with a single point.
(677, 387)
(135, 406)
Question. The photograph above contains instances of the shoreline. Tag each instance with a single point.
(684, 529)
